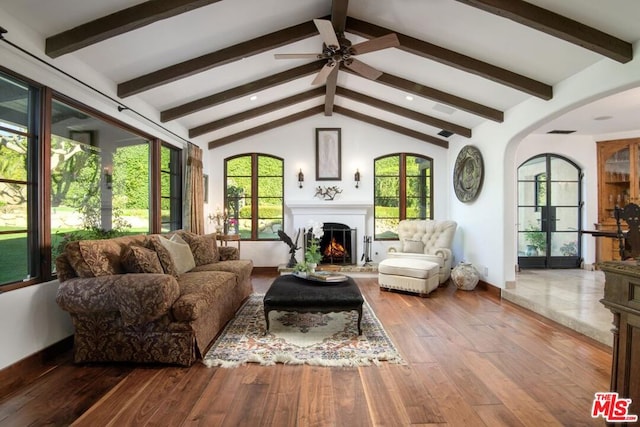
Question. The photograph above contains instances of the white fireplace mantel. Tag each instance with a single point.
(327, 207)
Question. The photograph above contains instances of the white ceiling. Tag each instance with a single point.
(446, 23)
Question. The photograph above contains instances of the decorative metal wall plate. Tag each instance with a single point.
(468, 174)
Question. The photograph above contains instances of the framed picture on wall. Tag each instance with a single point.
(82, 136)
(328, 154)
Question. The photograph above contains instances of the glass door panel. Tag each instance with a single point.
(549, 211)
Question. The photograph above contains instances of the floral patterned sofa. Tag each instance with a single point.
(150, 298)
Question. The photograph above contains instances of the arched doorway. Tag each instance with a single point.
(549, 213)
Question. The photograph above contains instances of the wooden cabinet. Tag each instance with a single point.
(622, 297)
(618, 185)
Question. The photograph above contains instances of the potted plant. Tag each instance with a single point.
(536, 241)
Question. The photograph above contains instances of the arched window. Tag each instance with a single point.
(254, 195)
(403, 190)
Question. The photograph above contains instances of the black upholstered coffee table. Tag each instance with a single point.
(291, 293)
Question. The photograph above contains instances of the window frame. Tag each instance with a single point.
(254, 190)
(39, 259)
(402, 190)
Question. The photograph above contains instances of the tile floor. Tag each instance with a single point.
(570, 297)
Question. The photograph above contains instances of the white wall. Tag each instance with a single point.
(31, 320)
(361, 143)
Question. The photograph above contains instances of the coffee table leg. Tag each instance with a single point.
(266, 318)
(360, 321)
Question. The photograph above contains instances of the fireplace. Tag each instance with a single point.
(352, 214)
(338, 244)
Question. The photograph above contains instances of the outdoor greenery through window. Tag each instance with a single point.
(254, 195)
(403, 190)
(100, 178)
(17, 180)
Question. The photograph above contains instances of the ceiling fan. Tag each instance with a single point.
(338, 50)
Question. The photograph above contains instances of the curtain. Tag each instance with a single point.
(194, 191)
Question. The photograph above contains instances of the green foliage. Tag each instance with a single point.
(92, 233)
(131, 175)
(535, 237)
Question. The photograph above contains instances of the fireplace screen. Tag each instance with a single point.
(338, 244)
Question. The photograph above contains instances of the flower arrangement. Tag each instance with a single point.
(220, 219)
(312, 255)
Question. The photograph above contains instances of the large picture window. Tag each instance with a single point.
(67, 173)
(100, 178)
(254, 195)
(403, 190)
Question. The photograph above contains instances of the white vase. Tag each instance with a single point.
(465, 276)
(312, 266)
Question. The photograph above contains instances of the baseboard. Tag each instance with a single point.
(494, 291)
(23, 372)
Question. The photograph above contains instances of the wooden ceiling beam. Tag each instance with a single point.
(216, 59)
(117, 23)
(265, 127)
(558, 26)
(391, 126)
(318, 110)
(454, 59)
(255, 112)
(240, 91)
(438, 96)
(404, 112)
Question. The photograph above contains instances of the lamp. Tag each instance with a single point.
(108, 177)
(300, 178)
(356, 178)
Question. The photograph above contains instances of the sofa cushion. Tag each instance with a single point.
(76, 260)
(174, 253)
(137, 259)
(202, 291)
(204, 248)
(412, 246)
(408, 267)
(102, 256)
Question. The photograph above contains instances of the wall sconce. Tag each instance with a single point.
(108, 177)
(356, 178)
(300, 178)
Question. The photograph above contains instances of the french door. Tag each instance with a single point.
(549, 213)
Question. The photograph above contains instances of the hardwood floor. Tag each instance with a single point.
(472, 360)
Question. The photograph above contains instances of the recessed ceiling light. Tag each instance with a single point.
(409, 98)
(253, 98)
(602, 118)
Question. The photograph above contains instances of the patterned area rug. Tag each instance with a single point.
(297, 338)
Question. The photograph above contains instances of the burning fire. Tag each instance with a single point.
(334, 249)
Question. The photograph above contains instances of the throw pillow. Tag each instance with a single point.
(175, 255)
(412, 246)
(203, 248)
(138, 259)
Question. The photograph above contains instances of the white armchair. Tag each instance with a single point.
(428, 240)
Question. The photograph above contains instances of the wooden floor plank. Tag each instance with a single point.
(472, 360)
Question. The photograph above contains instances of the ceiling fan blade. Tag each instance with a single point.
(363, 69)
(298, 56)
(321, 78)
(327, 33)
(339, 15)
(390, 40)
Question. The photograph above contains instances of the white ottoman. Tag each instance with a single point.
(406, 274)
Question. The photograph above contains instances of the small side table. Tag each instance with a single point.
(226, 238)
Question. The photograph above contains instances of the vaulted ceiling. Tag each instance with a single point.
(206, 68)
